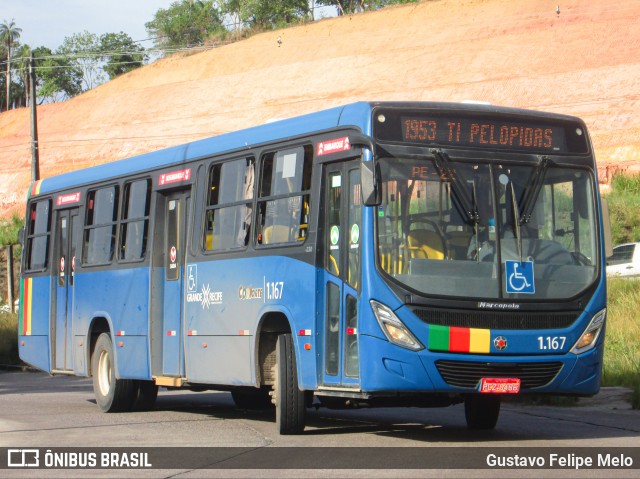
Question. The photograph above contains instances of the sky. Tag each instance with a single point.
(48, 22)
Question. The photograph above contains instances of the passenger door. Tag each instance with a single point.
(67, 226)
(340, 280)
(176, 214)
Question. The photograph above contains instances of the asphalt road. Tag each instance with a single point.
(39, 411)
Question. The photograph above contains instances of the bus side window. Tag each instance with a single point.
(100, 226)
(134, 225)
(283, 209)
(229, 205)
(37, 237)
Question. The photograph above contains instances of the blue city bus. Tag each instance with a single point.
(375, 254)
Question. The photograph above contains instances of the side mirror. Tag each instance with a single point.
(369, 172)
(21, 236)
(370, 182)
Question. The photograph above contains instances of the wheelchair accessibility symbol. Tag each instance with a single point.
(519, 277)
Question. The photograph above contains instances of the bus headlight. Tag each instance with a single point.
(588, 339)
(394, 329)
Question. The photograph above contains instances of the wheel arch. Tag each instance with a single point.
(271, 324)
(100, 323)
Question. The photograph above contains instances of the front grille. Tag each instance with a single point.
(467, 374)
(497, 319)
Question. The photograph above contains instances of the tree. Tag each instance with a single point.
(264, 14)
(267, 14)
(9, 34)
(57, 79)
(238, 10)
(346, 7)
(185, 24)
(83, 52)
(21, 60)
(121, 53)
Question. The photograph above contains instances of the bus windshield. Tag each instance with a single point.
(487, 229)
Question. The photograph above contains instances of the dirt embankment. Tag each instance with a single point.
(584, 61)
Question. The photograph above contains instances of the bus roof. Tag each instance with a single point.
(354, 114)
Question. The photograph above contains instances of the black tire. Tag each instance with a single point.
(481, 412)
(252, 398)
(289, 399)
(146, 393)
(112, 394)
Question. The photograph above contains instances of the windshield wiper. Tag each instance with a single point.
(516, 221)
(468, 205)
(532, 192)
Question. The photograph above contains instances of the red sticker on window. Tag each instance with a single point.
(174, 177)
(68, 199)
(333, 146)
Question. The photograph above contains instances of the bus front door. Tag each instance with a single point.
(67, 227)
(176, 214)
(342, 259)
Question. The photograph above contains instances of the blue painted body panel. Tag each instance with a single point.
(215, 308)
(122, 298)
(35, 348)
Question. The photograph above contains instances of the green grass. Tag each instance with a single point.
(624, 208)
(622, 342)
(9, 339)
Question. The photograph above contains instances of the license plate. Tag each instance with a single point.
(500, 385)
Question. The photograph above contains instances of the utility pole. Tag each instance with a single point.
(10, 298)
(35, 157)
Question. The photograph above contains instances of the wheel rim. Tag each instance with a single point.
(104, 373)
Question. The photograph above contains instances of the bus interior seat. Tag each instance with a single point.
(426, 244)
(212, 241)
(276, 234)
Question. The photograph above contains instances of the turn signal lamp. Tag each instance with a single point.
(588, 339)
(394, 329)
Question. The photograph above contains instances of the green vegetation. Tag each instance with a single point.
(624, 207)
(622, 344)
(9, 230)
(9, 338)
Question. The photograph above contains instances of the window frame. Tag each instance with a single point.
(303, 193)
(124, 219)
(247, 202)
(31, 235)
(114, 223)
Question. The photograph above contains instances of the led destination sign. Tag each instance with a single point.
(463, 132)
(490, 132)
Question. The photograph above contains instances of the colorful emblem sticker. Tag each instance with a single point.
(334, 235)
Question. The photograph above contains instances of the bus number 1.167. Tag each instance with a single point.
(551, 342)
(274, 289)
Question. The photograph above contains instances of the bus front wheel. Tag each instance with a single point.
(481, 412)
(112, 394)
(288, 398)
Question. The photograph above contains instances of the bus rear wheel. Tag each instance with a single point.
(146, 393)
(112, 394)
(288, 398)
(481, 412)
